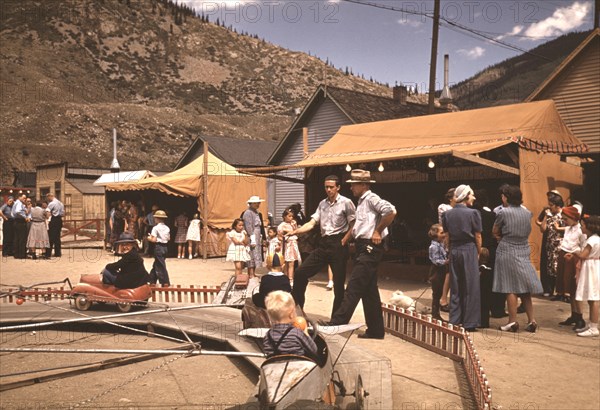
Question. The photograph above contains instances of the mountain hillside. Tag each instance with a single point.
(74, 69)
(514, 79)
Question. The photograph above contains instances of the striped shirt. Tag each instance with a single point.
(295, 342)
(368, 215)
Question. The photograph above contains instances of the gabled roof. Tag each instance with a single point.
(566, 62)
(86, 186)
(359, 107)
(237, 152)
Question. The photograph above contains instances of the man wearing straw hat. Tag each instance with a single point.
(252, 225)
(373, 215)
(160, 235)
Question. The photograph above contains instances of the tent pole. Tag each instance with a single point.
(205, 199)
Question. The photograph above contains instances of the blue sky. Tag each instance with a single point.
(395, 45)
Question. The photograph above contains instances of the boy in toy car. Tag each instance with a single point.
(128, 272)
(284, 337)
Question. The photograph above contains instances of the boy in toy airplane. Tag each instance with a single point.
(128, 272)
(284, 338)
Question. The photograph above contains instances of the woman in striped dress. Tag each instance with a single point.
(513, 272)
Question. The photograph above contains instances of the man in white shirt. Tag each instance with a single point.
(57, 212)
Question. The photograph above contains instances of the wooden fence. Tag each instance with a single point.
(176, 294)
(444, 339)
(89, 229)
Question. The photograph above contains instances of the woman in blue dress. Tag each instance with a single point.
(514, 275)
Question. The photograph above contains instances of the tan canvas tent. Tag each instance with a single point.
(228, 191)
(537, 129)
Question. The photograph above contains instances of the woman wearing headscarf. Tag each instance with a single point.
(514, 275)
(463, 225)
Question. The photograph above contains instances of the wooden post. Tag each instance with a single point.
(433, 61)
(205, 200)
(305, 141)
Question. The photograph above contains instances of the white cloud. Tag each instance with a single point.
(563, 19)
(409, 23)
(472, 54)
(516, 30)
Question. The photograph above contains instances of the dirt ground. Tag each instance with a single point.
(552, 369)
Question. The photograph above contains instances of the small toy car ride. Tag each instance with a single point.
(90, 289)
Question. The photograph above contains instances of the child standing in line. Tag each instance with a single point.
(291, 253)
(439, 257)
(193, 237)
(588, 283)
(181, 223)
(283, 337)
(238, 247)
(274, 242)
(570, 247)
(160, 235)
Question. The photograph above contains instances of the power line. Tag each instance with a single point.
(453, 24)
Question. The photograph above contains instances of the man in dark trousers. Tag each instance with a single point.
(8, 227)
(335, 216)
(57, 212)
(19, 214)
(373, 216)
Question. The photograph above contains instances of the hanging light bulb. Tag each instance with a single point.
(431, 164)
(380, 168)
(348, 168)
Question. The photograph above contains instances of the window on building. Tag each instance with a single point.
(43, 192)
(57, 190)
(68, 205)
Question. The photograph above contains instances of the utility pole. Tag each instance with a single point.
(596, 13)
(434, 46)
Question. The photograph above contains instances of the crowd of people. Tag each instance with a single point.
(30, 228)
(489, 263)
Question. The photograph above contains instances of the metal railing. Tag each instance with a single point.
(444, 339)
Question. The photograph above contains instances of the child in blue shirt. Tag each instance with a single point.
(438, 255)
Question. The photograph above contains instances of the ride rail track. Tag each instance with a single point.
(439, 337)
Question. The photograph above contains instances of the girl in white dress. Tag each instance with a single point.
(588, 283)
(238, 252)
(193, 237)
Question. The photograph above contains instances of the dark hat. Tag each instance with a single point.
(571, 212)
(126, 237)
(360, 176)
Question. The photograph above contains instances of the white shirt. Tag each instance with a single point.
(573, 239)
(162, 233)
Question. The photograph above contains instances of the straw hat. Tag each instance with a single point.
(255, 199)
(160, 214)
(360, 176)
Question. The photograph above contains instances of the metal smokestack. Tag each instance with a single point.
(446, 96)
(114, 165)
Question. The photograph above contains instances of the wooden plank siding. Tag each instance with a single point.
(47, 176)
(74, 210)
(576, 92)
(322, 125)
